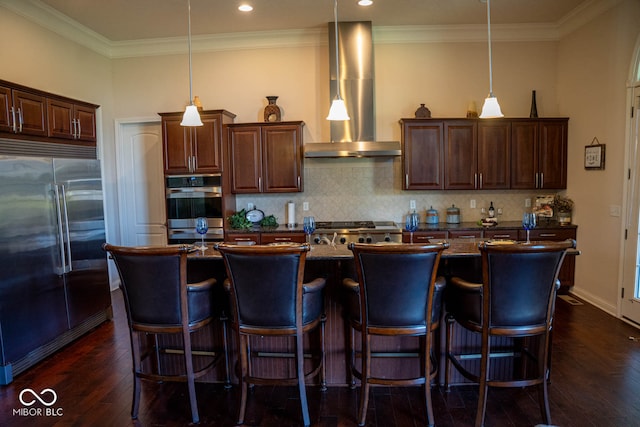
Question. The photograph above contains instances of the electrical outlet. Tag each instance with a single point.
(615, 210)
(499, 211)
(412, 204)
(527, 203)
(472, 204)
(250, 206)
(305, 206)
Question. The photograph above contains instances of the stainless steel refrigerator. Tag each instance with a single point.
(54, 283)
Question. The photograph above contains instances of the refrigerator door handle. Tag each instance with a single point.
(67, 267)
(63, 255)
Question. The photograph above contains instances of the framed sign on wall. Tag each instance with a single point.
(594, 155)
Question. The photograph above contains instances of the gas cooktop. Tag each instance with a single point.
(342, 232)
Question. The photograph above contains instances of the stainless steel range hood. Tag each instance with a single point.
(355, 137)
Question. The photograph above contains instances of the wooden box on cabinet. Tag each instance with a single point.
(266, 157)
(198, 149)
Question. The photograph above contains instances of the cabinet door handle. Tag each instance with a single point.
(547, 234)
(481, 184)
(541, 179)
(78, 128)
(20, 120)
(406, 180)
(74, 133)
(501, 236)
(260, 183)
(194, 163)
(475, 180)
(466, 236)
(14, 126)
(537, 181)
(299, 182)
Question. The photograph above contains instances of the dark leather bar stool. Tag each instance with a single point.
(269, 298)
(158, 300)
(515, 300)
(397, 294)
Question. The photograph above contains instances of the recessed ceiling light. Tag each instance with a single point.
(365, 2)
(245, 8)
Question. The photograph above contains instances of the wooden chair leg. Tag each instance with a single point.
(300, 374)
(191, 380)
(323, 376)
(484, 387)
(135, 351)
(366, 373)
(427, 379)
(447, 361)
(351, 380)
(225, 344)
(243, 348)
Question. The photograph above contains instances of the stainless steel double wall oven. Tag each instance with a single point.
(190, 197)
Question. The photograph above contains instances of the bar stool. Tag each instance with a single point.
(397, 294)
(158, 300)
(268, 298)
(515, 300)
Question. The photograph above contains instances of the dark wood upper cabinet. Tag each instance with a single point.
(266, 157)
(23, 113)
(69, 120)
(484, 154)
(197, 149)
(30, 114)
(422, 154)
(494, 154)
(539, 153)
(460, 155)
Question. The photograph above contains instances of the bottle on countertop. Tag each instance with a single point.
(492, 211)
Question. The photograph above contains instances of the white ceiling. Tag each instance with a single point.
(120, 20)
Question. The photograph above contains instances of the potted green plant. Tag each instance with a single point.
(563, 207)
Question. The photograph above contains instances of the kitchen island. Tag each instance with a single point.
(462, 258)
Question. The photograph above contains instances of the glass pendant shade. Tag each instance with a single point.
(338, 110)
(191, 117)
(491, 108)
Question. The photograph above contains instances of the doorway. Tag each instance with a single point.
(141, 195)
(630, 292)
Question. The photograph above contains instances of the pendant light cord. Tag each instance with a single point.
(335, 15)
(490, 56)
(190, 72)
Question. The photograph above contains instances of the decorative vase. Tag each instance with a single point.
(534, 108)
(272, 112)
(423, 112)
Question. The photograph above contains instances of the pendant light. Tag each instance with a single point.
(491, 108)
(191, 116)
(338, 110)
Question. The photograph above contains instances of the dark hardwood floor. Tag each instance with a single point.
(595, 382)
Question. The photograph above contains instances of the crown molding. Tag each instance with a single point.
(51, 19)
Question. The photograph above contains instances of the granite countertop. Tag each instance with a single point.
(442, 226)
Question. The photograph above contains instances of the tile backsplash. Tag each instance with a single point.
(371, 189)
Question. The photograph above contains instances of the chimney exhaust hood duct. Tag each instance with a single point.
(355, 137)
